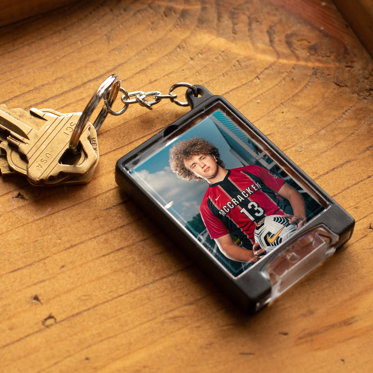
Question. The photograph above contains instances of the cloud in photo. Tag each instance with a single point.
(165, 186)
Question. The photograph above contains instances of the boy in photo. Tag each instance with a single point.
(237, 199)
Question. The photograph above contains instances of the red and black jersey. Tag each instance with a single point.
(241, 200)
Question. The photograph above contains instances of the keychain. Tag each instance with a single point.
(250, 217)
(52, 148)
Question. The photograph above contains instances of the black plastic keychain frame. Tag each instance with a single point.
(212, 117)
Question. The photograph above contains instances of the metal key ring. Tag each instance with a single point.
(108, 89)
(182, 84)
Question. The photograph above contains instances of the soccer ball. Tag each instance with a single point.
(272, 231)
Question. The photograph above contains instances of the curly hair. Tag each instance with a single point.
(184, 150)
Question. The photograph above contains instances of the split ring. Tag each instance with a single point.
(108, 90)
(182, 84)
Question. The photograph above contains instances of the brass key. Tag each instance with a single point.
(85, 178)
(44, 148)
(12, 162)
(15, 163)
(53, 148)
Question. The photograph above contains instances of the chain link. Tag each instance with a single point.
(108, 91)
(148, 99)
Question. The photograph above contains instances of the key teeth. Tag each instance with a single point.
(4, 166)
(14, 141)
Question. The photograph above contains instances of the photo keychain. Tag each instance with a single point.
(252, 219)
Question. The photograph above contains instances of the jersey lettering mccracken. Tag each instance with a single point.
(234, 205)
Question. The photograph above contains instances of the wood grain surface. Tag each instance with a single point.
(88, 283)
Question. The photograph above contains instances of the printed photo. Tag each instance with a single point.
(226, 191)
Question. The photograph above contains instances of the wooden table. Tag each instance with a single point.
(88, 283)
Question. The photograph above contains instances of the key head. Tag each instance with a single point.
(44, 154)
(78, 178)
